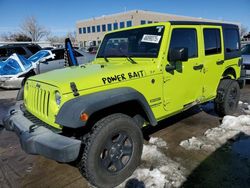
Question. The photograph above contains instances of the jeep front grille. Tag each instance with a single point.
(38, 100)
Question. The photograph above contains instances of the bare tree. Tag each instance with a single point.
(55, 39)
(243, 31)
(16, 37)
(72, 36)
(31, 28)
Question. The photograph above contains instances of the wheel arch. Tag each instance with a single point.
(97, 105)
(229, 73)
(132, 108)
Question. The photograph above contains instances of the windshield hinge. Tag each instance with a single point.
(74, 89)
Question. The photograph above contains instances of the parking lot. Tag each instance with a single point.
(220, 167)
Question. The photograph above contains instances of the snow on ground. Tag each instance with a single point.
(159, 171)
(197, 144)
(156, 169)
(230, 128)
(159, 142)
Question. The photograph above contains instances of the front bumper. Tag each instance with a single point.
(39, 140)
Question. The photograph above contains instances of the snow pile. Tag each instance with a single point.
(244, 107)
(240, 123)
(159, 142)
(219, 136)
(230, 128)
(192, 143)
(156, 169)
(196, 144)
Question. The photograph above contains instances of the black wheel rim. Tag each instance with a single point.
(116, 152)
(232, 98)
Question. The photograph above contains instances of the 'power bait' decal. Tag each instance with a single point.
(121, 77)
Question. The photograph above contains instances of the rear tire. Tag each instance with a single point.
(112, 151)
(227, 99)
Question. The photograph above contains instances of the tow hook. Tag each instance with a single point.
(32, 128)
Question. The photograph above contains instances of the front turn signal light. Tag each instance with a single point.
(84, 117)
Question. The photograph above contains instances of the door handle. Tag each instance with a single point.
(198, 67)
(170, 68)
(220, 62)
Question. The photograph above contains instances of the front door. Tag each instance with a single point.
(183, 86)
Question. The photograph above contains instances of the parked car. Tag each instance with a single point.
(25, 50)
(58, 62)
(49, 48)
(17, 68)
(12, 77)
(245, 51)
(93, 49)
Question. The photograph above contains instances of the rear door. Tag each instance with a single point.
(213, 59)
(183, 86)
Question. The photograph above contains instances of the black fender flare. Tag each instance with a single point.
(69, 113)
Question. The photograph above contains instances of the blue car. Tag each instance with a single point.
(17, 67)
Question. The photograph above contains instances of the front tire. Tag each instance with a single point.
(112, 151)
(227, 99)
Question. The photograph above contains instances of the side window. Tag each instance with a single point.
(33, 49)
(59, 54)
(18, 50)
(212, 41)
(3, 52)
(186, 38)
(231, 37)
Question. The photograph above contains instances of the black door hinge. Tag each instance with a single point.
(74, 89)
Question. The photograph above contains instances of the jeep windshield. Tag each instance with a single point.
(142, 42)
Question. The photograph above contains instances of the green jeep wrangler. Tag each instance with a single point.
(92, 115)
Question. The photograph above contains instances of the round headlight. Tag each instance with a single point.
(58, 98)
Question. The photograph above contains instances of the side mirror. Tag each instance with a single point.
(178, 54)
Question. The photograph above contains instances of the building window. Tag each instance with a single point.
(93, 29)
(149, 22)
(103, 28)
(122, 25)
(88, 28)
(80, 30)
(84, 29)
(143, 22)
(129, 23)
(212, 41)
(109, 27)
(115, 25)
(98, 28)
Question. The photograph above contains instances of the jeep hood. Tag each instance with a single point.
(89, 75)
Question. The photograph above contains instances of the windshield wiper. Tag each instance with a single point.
(130, 59)
(105, 58)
